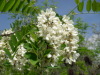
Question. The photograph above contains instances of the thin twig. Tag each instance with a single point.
(72, 10)
(85, 13)
(7, 34)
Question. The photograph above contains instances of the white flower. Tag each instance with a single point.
(49, 56)
(65, 18)
(7, 31)
(68, 61)
(53, 64)
(18, 60)
(57, 33)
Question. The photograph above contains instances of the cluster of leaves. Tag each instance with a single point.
(18, 6)
(82, 27)
(90, 5)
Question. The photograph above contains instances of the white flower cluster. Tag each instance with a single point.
(18, 60)
(4, 43)
(59, 32)
(7, 31)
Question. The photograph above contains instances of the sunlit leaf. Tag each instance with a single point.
(16, 4)
(25, 8)
(20, 6)
(8, 5)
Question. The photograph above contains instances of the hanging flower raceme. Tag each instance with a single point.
(61, 34)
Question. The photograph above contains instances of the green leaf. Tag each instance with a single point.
(14, 40)
(81, 38)
(33, 62)
(14, 7)
(47, 52)
(34, 36)
(42, 45)
(25, 8)
(62, 46)
(27, 46)
(18, 35)
(77, 1)
(88, 5)
(80, 6)
(7, 52)
(2, 4)
(20, 6)
(11, 45)
(28, 1)
(8, 5)
(94, 5)
(30, 9)
(98, 6)
(30, 55)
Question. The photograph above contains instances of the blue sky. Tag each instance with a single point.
(63, 8)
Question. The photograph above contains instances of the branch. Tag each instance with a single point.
(85, 13)
(6, 34)
(72, 10)
(81, 12)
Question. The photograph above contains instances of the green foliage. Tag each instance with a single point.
(32, 57)
(25, 8)
(82, 27)
(8, 52)
(82, 65)
(47, 52)
(88, 5)
(85, 51)
(14, 7)
(63, 46)
(48, 4)
(94, 5)
(81, 6)
(16, 25)
(98, 6)
(2, 4)
(77, 1)
(18, 6)
(8, 5)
